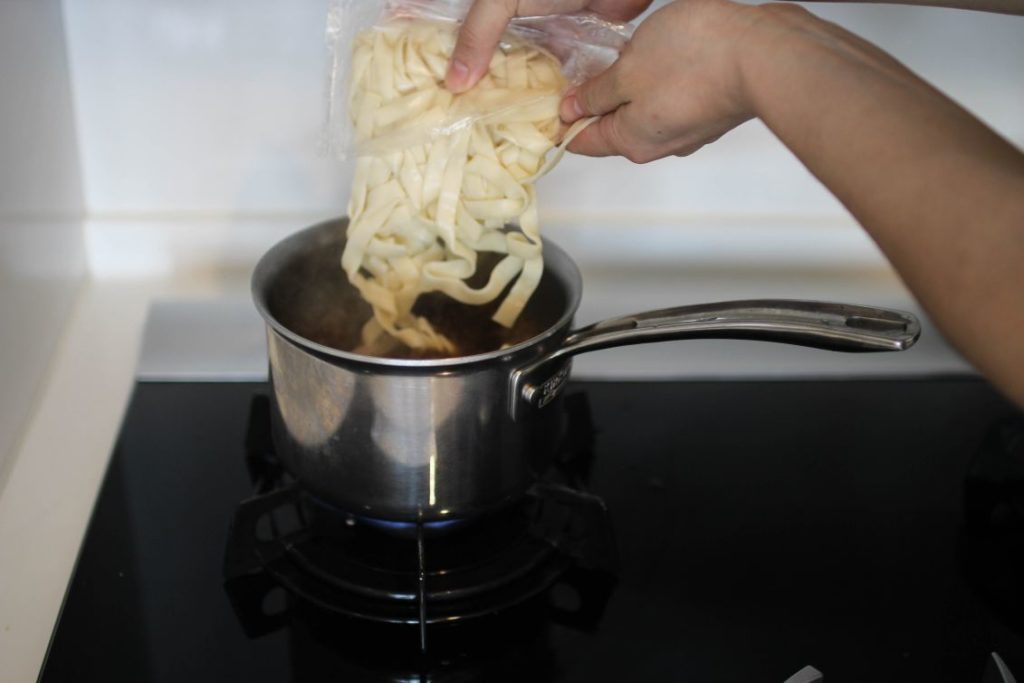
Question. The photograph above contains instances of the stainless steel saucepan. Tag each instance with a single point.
(413, 439)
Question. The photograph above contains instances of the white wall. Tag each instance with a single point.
(190, 107)
(214, 107)
(41, 248)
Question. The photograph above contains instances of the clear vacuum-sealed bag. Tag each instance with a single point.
(440, 177)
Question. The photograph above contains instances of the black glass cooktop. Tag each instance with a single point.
(872, 529)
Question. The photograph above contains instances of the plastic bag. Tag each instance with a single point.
(584, 44)
(442, 178)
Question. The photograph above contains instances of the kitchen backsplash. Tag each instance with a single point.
(216, 108)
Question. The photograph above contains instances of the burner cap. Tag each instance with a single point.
(345, 565)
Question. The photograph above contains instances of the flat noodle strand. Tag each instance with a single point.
(442, 177)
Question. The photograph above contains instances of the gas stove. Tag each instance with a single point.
(420, 574)
(700, 531)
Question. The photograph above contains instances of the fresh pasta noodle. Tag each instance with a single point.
(442, 177)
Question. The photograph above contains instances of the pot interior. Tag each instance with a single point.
(299, 283)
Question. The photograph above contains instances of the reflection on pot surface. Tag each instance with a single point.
(424, 439)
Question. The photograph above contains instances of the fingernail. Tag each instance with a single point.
(458, 74)
(571, 109)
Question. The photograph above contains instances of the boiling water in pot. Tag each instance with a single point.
(312, 297)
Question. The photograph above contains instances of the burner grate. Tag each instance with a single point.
(350, 567)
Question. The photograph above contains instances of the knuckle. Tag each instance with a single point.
(484, 18)
(634, 149)
(613, 133)
(470, 38)
(613, 87)
(687, 151)
(638, 156)
(585, 98)
(589, 143)
(623, 72)
(614, 76)
(591, 93)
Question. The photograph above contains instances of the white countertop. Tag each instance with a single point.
(47, 499)
(204, 328)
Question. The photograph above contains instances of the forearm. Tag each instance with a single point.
(941, 194)
(1002, 6)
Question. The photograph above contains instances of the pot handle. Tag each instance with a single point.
(835, 327)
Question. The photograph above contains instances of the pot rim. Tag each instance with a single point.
(554, 258)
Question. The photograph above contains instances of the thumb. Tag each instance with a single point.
(598, 96)
(608, 136)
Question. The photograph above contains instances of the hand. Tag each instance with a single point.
(487, 20)
(676, 87)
